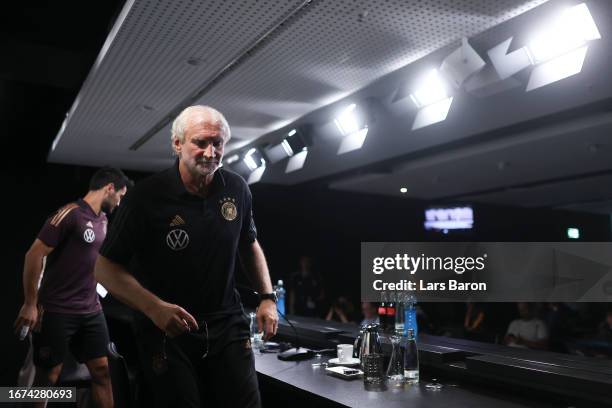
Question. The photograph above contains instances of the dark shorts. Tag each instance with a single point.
(86, 335)
(180, 377)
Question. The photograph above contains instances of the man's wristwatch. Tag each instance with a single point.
(268, 296)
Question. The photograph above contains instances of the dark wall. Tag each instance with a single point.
(331, 225)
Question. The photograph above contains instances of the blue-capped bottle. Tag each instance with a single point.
(280, 295)
(410, 317)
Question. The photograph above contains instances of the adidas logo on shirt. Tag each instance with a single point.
(177, 220)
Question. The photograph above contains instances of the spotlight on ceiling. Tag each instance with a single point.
(433, 113)
(256, 175)
(572, 29)
(347, 122)
(507, 64)
(296, 162)
(559, 50)
(461, 64)
(256, 164)
(294, 145)
(432, 99)
(232, 159)
(352, 124)
(557, 69)
(253, 159)
(432, 89)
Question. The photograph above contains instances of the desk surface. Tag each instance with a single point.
(353, 394)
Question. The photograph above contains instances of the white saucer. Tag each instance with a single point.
(352, 362)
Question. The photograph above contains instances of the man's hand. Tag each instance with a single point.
(172, 319)
(267, 318)
(28, 316)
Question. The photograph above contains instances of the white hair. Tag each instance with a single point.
(182, 120)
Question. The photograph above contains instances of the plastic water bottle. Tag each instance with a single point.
(410, 317)
(280, 295)
(411, 359)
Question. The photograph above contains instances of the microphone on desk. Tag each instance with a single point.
(295, 353)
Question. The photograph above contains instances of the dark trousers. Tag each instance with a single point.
(182, 378)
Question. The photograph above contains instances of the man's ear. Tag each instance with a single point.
(110, 187)
(176, 145)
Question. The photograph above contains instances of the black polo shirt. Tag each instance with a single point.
(183, 247)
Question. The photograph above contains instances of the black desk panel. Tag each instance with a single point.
(312, 387)
(590, 382)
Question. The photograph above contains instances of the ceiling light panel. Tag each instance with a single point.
(328, 48)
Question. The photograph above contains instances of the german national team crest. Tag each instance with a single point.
(177, 239)
(89, 236)
(228, 208)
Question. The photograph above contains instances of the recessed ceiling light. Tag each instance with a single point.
(573, 233)
(403, 190)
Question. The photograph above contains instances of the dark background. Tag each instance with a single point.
(48, 49)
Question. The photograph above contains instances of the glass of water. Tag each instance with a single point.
(395, 370)
(373, 368)
(255, 335)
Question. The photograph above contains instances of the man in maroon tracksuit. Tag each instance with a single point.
(65, 311)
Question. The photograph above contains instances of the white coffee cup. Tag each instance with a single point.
(345, 352)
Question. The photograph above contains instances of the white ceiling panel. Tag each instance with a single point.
(301, 56)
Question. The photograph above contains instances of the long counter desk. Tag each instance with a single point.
(473, 374)
(537, 377)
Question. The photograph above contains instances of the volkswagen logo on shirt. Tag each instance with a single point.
(89, 236)
(177, 239)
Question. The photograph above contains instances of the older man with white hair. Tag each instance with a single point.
(170, 254)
